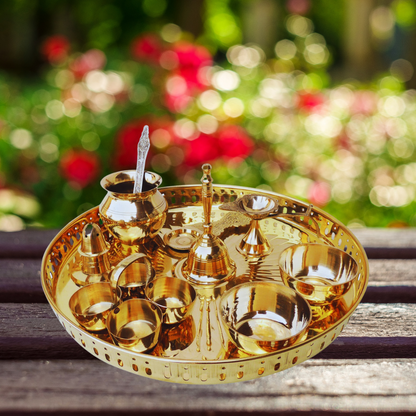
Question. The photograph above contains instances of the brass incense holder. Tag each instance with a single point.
(95, 264)
(130, 217)
(319, 273)
(174, 297)
(91, 305)
(210, 344)
(135, 325)
(208, 261)
(264, 317)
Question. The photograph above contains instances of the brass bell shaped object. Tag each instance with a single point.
(208, 260)
(94, 251)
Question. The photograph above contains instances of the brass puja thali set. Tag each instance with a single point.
(202, 284)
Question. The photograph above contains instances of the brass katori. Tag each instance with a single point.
(208, 262)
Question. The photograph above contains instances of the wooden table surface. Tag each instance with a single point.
(369, 368)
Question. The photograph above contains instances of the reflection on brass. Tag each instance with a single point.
(208, 260)
(318, 272)
(176, 338)
(131, 275)
(129, 217)
(91, 304)
(324, 316)
(256, 207)
(174, 297)
(135, 325)
(95, 264)
(264, 317)
(181, 239)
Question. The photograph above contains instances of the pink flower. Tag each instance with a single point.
(56, 48)
(89, 61)
(147, 48)
(319, 193)
(235, 142)
(185, 81)
(80, 167)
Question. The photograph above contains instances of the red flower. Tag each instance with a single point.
(235, 142)
(80, 167)
(128, 138)
(56, 48)
(310, 102)
(191, 58)
(319, 193)
(204, 148)
(90, 60)
(147, 48)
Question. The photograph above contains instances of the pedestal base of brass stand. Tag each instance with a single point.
(254, 243)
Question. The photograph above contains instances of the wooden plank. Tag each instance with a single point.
(374, 331)
(386, 237)
(390, 281)
(324, 386)
(30, 243)
(380, 243)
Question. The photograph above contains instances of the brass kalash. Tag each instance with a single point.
(202, 284)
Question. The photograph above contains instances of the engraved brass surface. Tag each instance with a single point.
(198, 350)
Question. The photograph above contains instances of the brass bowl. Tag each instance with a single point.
(91, 304)
(131, 275)
(174, 297)
(318, 272)
(262, 317)
(132, 218)
(135, 325)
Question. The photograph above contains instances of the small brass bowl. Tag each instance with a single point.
(262, 317)
(131, 276)
(174, 297)
(91, 304)
(135, 325)
(319, 273)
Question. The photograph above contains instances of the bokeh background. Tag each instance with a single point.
(313, 99)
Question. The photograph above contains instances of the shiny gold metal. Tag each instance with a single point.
(262, 317)
(208, 260)
(174, 297)
(256, 207)
(198, 350)
(135, 325)
(181, 239)
(91, 305)
(95, 264)
(131, 275)
(129, 217)
(318, 272)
